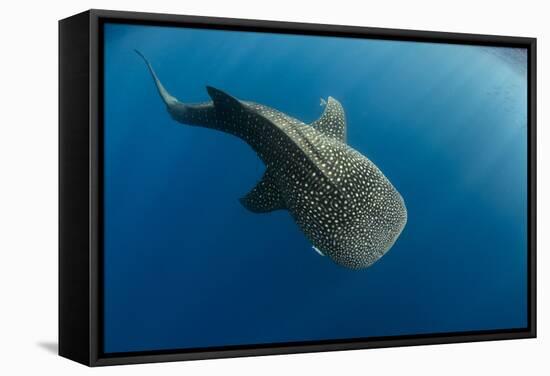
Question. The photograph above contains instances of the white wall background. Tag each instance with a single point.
(28, 186)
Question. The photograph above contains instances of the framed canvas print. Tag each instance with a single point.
(237, 187)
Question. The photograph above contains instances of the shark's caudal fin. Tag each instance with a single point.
(166, 97)
(332, 122)
(228, 114)
(199, 114)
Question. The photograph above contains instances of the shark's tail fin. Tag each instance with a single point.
(164, 94)
(199, 114)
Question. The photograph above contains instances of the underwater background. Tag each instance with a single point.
(186, 266)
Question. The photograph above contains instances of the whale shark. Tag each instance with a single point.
(342, 202)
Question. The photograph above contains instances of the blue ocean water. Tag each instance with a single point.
(186, 266)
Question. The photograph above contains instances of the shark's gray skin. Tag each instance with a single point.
(342, 202)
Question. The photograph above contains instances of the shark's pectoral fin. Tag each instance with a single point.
(332, 122)
(264, 197)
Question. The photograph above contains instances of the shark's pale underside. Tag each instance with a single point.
(341, 201)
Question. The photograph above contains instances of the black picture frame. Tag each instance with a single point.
(80, 182)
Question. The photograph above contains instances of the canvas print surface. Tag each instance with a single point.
(265, 188)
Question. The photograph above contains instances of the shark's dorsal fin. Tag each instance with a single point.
(223, 100)
(332, 122)
(265, 196)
